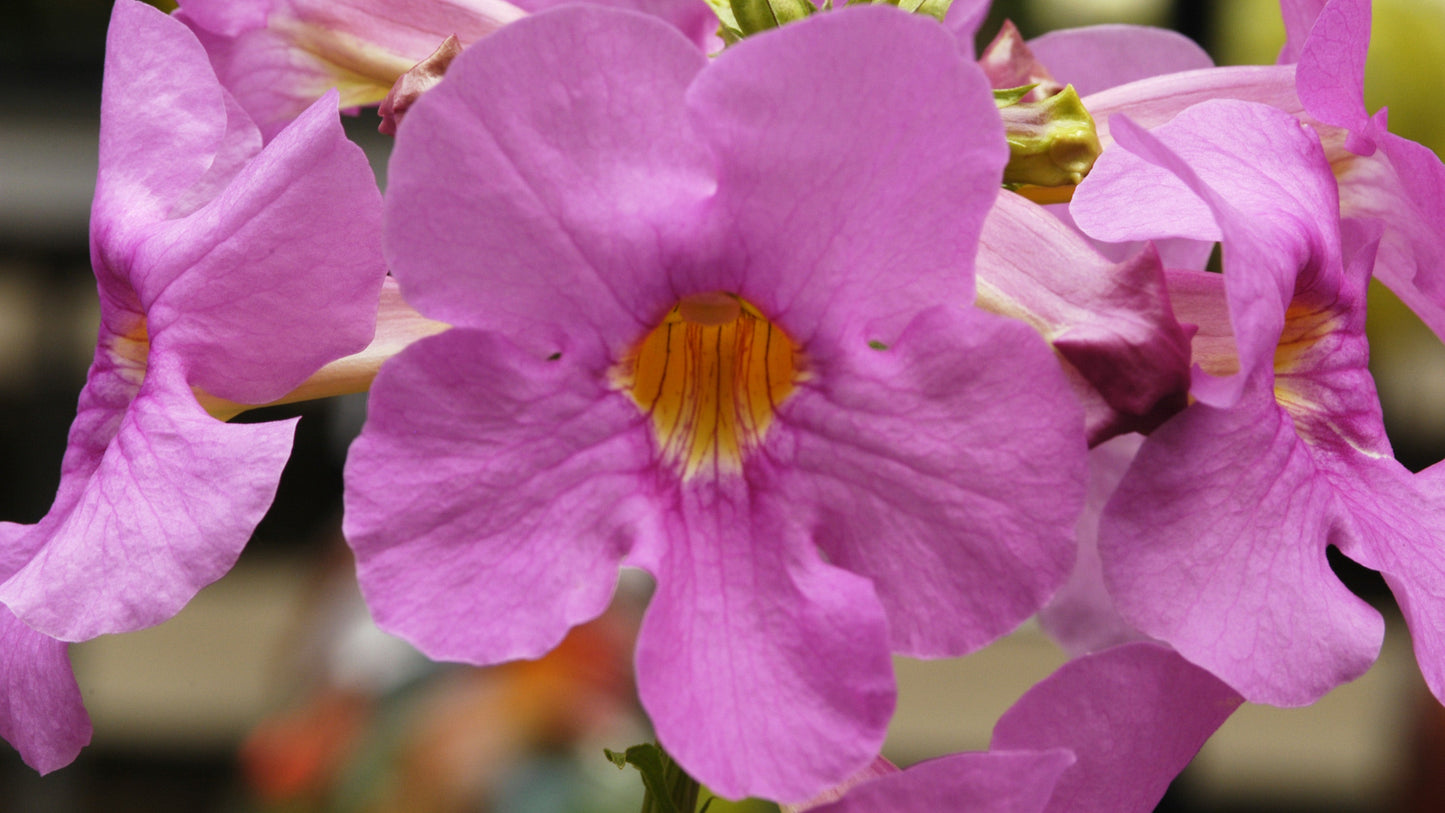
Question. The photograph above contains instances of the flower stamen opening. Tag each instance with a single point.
(711, 376)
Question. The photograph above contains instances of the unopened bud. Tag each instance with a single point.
(753, 16)
(1051, 142)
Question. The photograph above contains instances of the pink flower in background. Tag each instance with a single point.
(1106, 732)
(710, 326)
(1395, 181)
(223, 268)
(278, 56)
(1215, 540)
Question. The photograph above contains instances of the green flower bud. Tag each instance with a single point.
(1051, 142)
(753, 16)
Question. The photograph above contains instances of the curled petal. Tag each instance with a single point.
(1128, 356)
(41, 712)
(1215, 543)
(156, 501)
(1134, 715)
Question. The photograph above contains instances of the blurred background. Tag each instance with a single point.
(272, 691)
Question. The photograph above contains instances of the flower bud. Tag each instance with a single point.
(1051, 142)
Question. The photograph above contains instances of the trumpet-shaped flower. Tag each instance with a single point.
(712, 320)
(1284, 451)
(221, 267)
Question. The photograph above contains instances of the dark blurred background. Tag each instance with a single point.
(272, 691)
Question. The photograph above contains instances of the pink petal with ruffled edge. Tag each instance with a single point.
(161, 512)
(1215, 542)
(792, 192)
(277, 275)
(156, 497)
(1106, 732)
(758, 660)
(1398, 517)
(521, 483)
(624, 214)
(573, 208)
(1254, 154)
(960, 445)
(1134, 715)
(1096, 58)
(41, 713)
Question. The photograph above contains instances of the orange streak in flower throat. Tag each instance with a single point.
(711, 376)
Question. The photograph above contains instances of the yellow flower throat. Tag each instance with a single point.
(711, 376)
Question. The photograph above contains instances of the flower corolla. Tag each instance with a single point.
(712, 320)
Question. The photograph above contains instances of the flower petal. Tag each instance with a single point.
(491, 496)
(1331, 70)
(948, 468)
(992, 782)
(41, 712)
(1081, 617)
(963, 19)
(1099, 57)
(764, 670)
(164, 116)
(542, 183)
(271, 279)
(1398, 517)
(789, 115)
(1215, 543)
(1135, 715)
(1244, 173)
(1152, 102)
(156, 500)
(1128, 356)
(694, 18)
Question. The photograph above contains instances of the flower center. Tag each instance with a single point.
(130, 352)
(711, 376)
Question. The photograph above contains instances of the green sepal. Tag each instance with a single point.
(669, 789)
(1006, 97)
(754, 16)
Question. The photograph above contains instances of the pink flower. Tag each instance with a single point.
(279, 56)
(711, 320)
(224, 270)
(1215, 540)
